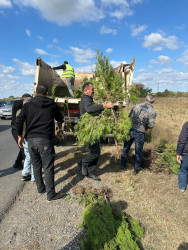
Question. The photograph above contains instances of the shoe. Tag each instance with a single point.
(182, 190)
(136, 172)
(17, 165)
(57, 196)
(80, 165)
(44, 191)
(94, 177)
(123, 167)
(26, 178)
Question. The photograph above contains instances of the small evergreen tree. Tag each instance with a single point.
(108, 88)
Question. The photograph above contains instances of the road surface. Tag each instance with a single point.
(10, 178)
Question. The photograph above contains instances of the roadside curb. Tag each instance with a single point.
(12, 198)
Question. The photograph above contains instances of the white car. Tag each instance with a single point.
(6, 111)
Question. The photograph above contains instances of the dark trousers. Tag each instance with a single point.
(138, 138)
(21, 155)
(42, 155)
(89, 162)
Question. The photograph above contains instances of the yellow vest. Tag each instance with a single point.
(69, 72)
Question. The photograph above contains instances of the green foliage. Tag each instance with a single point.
(168, 158)
(122, 126)
(108, 88)
(143, 91)
(53, 91)
(108, 228)
(133, 94)
(91, 129)
(168, 93)
(108, 84)
(117, 181)
(67, 198)
(77, 93)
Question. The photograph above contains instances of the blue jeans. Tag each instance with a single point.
(138, 138)
(183, 172)
(28, 167)
(42, 155)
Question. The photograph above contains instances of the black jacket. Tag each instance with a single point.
(87, 105)
(182, 147)
(39, 114)
(63, 66)
(16, 106)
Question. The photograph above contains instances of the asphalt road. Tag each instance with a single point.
(10, 178)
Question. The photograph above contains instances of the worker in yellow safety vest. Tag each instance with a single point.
(68, 73)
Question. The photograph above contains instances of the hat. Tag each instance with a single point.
(65, 62)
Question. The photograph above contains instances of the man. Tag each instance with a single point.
(182, 157)
(89, 162)
(16, 106)
(27, 172)
(143, 117)
(39, 114)
(68, 73)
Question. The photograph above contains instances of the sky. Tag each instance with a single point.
(154, 32)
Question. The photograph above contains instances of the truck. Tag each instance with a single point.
(69, 106)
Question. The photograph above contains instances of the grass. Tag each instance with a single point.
(151, 197)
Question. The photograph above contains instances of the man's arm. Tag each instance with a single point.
(130, 114)
(108, 105)
(182, 140)
(179, 158)
(90, 108)
(19, 125)
(151, 120)
(60, 67)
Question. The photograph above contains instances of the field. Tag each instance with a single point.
(152, 197)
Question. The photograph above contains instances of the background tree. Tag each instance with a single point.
(143, 91)
(108, 87)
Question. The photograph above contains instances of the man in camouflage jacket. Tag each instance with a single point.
(143, 117)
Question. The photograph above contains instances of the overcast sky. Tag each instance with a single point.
(154, 32)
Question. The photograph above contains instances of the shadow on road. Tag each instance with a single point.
(8, 171)
(4, 127)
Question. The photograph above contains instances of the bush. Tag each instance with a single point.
(168, 157)
(108, 228)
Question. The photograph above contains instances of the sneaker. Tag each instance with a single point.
(94, 177)
(26, 178)
(57, 196)
(17, 165)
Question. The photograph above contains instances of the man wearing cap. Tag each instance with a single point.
(68, 73)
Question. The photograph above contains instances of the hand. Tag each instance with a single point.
(20, 141)
(179, 158)
(108, 105)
